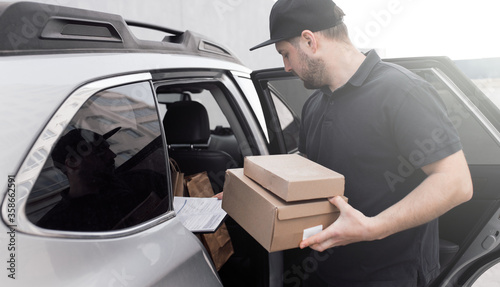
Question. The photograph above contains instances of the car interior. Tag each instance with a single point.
(194, 146)
(200, 139)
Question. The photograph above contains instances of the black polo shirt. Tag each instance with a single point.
(378, 130)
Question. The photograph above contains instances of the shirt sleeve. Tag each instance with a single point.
(423, 131)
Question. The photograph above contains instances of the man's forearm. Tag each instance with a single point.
(448, 184)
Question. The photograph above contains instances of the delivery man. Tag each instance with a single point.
(386, 130)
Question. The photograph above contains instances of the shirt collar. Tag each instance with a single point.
(372, 59)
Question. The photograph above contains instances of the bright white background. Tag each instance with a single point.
(405, 28)
(458, 29)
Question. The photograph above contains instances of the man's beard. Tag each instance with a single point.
(312, 71)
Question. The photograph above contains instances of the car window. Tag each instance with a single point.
(490, 87)
(285, 115)
(288, 96)
(293, 92)
(215, 115)
(211, 97)
(108, 170)
(289, 123)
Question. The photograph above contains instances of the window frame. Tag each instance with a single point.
(35, 159)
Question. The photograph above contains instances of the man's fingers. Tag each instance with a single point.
(320, 239)
(219, 195)
(318, 242)
(326, 238)
(339, 202)
(310, 241)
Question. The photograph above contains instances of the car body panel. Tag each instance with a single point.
(135, 260)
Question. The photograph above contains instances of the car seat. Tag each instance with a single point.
(188, 133)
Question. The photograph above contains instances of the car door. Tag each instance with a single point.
(282, 96)
(106, 140)
(469, 233)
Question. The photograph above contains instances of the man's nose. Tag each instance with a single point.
(288, 68)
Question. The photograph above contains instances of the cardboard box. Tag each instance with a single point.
(293, 177)
(275, 224)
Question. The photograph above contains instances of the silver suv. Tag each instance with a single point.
(86, 106)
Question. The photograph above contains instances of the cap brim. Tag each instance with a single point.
(266, 43)
(111, 133)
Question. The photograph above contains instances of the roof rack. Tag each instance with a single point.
(131, 23)
(37, 28)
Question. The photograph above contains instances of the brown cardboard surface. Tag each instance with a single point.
(274, 223)
(293, 177)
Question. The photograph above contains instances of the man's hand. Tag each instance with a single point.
(351, 226)
(219, 195)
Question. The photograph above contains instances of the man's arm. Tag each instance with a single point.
(447, 185)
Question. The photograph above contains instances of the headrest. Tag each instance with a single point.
(186, 122)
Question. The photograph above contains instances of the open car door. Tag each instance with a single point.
(282, 96)
(469, 233)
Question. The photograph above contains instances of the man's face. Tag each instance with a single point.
(296, 61)
(95, 160)
(101, 161)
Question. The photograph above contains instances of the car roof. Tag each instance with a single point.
(38, 28)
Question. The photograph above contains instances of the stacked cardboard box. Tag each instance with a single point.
(277, 198)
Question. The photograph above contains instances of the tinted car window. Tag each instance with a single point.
(108, 170)
(288, 96)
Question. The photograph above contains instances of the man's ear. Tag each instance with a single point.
(310, 40)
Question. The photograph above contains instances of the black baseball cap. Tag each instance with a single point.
(290, 17)
(75, 137)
